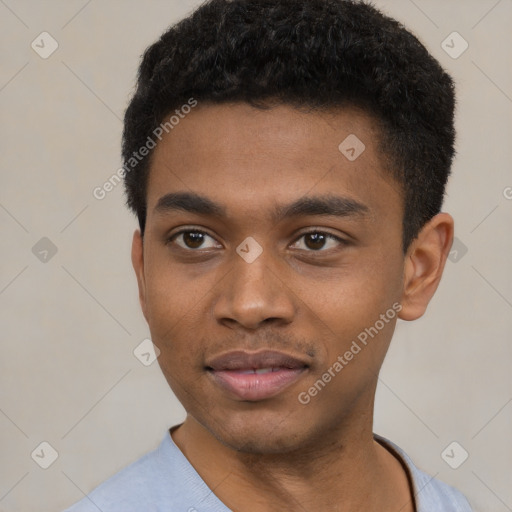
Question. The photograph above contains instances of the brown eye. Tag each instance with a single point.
(193, 239)
(318, 241)
(314, 241)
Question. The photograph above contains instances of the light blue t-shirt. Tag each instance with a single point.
(165, 481)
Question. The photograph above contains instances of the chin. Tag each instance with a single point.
(258, 444)
(259, 436)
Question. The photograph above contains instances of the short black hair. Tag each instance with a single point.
(313, 54)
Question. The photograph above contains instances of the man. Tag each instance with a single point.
(287, 161)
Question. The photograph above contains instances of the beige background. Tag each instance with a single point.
(70, 324)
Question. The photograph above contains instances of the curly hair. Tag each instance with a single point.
(312, 54)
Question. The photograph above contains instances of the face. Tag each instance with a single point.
(267, 248)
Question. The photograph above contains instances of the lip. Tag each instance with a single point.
(253, 376)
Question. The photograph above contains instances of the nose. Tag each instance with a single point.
(254, 294)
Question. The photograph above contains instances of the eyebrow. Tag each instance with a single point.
(325, 205)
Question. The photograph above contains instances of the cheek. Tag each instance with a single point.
(179, 317)
(173, 294)
(354, 301)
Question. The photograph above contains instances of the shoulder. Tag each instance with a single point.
(431, 494)
(154, 479)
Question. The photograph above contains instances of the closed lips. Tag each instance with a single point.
(255, 362)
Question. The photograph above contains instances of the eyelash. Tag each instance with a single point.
(328, 235)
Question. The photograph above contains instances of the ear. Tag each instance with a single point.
(424, 265)
(138, 266)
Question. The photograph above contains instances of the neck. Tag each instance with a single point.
(342, 471)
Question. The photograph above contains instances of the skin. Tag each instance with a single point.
(201, 299)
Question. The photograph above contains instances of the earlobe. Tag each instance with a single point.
(424, 265)
(138, 267)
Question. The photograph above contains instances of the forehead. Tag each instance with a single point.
(249, 160)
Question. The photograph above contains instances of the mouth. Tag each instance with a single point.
(255, 376)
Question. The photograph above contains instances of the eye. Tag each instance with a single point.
(193, 239)
(318, 241)
(313, 241)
